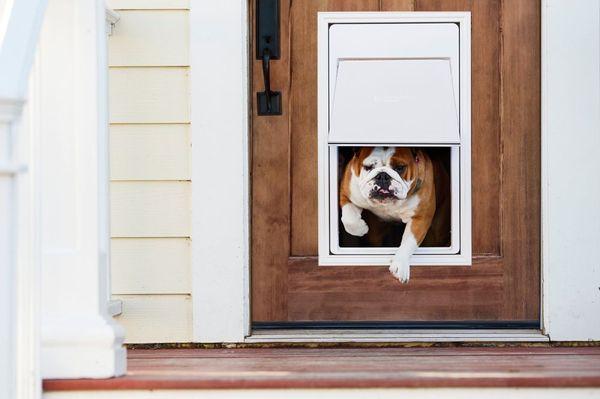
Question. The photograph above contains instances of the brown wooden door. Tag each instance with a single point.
(504, 282)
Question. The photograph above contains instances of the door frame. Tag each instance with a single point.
(220, 98)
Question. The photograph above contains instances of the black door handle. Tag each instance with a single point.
(267, 49)
(266, 61)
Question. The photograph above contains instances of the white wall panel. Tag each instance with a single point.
(149, 95)
(151, 265)
(156, 318)
(148, 4)
(150, 209)
(150, 152)
(150, 38)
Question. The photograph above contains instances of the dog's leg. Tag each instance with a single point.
(353, 221)
(414, 233)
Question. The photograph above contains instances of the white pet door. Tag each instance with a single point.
(404, 83)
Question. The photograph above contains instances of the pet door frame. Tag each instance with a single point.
(330, 252)
(334, 215)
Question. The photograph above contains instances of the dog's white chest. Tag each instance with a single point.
(398, 210)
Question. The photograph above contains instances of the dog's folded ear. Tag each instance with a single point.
(418, 154)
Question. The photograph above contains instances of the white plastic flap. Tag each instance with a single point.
(394, 101)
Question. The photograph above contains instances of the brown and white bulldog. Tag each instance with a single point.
(396, 184)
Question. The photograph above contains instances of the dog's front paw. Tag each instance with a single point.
(357, 227)
(400, 268)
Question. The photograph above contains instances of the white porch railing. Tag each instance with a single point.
(54, 241)
(20, 23)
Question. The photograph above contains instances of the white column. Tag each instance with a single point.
(79, 338)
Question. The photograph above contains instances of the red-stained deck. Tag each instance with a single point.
(350, 368)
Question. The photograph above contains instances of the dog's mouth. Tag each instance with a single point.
(379, 193)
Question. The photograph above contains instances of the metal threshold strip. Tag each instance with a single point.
(326, 332)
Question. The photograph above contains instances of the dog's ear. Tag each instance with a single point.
(355, 151)
(418, 154)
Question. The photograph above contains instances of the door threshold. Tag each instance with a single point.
(405, 335)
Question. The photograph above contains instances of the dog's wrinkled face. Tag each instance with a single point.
(385, 174)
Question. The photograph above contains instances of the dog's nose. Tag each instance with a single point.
(383, 180)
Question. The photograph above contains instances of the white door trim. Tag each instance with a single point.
(570, 166)
(220, 170)
(221, 240)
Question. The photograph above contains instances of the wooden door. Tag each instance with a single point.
(503, 284)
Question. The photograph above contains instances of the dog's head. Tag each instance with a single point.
(385, 174)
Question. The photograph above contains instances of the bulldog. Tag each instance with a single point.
(395, 184)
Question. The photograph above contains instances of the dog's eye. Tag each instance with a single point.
(400, 169)
(368, 167)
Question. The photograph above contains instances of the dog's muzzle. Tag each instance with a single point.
(382, 187)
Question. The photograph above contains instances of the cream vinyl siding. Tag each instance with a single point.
(150, 152)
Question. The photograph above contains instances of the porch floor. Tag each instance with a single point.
(363, 367)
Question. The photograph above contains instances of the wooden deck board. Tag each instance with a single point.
(350, 368)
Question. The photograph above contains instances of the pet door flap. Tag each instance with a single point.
(404, 101)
